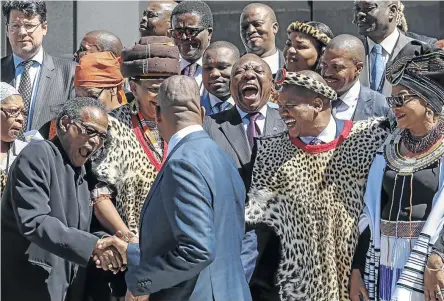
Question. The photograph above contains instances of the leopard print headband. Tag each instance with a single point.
(283, 77)
(309, 30)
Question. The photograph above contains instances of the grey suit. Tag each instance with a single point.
(370, 104)
(55, 86)
(364, 77)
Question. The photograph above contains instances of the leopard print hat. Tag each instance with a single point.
(309, 30)
(283, 77)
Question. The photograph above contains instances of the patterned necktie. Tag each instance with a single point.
(190, 70)
(221, 105)
(25, 88)
(378, 67)
(316, 141)
(252, 128)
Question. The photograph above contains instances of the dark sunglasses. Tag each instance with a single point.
(188, 31)
(14, 113)
(398, 101)
(89, 131)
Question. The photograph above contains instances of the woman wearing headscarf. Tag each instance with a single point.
(404, 199)
(305, 44)
(12, 117)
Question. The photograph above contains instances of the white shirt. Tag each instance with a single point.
(388, 45)
(260, 121)
(327, 135)
(197, 75)
(229, 103)
(175, 139)
(34, 73)
(347, 108)
(273, 62)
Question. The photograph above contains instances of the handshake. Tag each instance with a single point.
(110, 252)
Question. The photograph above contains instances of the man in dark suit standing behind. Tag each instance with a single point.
(45, 82)
(235, 129)
(258, 29)
(341, 64)
(192, 223)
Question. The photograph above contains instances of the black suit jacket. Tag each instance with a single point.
(55, 86)
(45, 220)
(370, 104)
(227, 129)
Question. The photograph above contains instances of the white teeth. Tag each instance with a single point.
(288, 121)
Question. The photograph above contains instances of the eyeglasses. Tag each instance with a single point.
(189, 32)
(398, 101)
(96, 96)
(29, 28)
(14, 113)
(89, 131)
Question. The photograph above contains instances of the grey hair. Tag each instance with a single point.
(73, 108)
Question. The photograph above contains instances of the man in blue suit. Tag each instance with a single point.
(341, 65)
(192, 222)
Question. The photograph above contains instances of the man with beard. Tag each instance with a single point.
(46, 209)
(218, 61)
(192, 28)
(234, 131)
(45, 82)
(99, 41)
(258, 29)
(156, 18)
(341, 64)
(378, 21)
(307, 187)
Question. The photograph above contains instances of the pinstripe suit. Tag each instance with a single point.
(55, 86)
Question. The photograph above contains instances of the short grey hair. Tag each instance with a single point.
(73, 108)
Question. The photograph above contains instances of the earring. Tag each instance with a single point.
(134, 107)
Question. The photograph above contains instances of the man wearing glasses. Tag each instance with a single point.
(192, 28)
(45, 82)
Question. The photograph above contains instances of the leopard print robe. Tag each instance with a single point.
(124, 166)
(313, 202)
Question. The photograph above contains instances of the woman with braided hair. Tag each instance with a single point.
(404, 199)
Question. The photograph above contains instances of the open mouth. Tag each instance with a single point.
(330, 80)
(290, 122)
(292, 59)
(250, 92)
(85, 152)
(399, 116)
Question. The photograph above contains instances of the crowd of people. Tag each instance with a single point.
(184, 168)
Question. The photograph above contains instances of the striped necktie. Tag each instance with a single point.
(25, 89)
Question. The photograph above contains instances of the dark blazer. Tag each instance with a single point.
(364, 77)
(370, 104)
(422, 38)
(191, 228)
(55, 86)
(45, 219)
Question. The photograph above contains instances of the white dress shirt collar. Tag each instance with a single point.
(214, 100)
(175, 139)
(273, 62)
(260, 121)
(351, 96)
(38, 57)
(327, 135)
(242, 114)
(388, 44)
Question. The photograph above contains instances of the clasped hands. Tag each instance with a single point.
(110, 253)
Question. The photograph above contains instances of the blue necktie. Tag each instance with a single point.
(378, 67)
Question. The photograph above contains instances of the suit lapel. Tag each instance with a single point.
(44, 86)
(205, 102)
(363, 108)
(8, 70)
(234, 131)
(273, 123)
(281, 59)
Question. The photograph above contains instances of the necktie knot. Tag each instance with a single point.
(336, 103)
(253, 116)
(316, 141)
(27, 64)
(377, 49)
(190, 70)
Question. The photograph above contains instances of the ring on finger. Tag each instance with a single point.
(110, 266)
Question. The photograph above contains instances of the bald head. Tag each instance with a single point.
(269, 11)
(179, 100)
(106, 41)
(349, 45)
